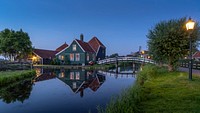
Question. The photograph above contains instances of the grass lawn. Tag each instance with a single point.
(171, 92)
(7, 77)
(157, 90)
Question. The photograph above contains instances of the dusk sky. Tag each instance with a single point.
(121, 25)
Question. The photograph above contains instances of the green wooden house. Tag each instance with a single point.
(81, 53)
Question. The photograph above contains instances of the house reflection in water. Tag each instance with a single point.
(79, 80)
(44, 74)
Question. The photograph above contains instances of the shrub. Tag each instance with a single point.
(149, 71)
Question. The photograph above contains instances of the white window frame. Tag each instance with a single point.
(71, 57)
(61, 57)
(88, 57)
(74, 85)
(74, 47)
(77, 75)
(71, 75)
(77, 56)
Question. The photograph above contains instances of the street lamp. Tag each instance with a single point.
(190, 26)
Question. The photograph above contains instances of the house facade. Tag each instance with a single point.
(42, 56)
(81, 53)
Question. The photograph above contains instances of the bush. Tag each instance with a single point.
(150, 71)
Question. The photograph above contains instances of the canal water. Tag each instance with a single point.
(63, 91)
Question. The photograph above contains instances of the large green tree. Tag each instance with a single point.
(168, 41)
(14, 44)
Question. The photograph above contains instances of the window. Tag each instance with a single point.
(77, 57)
(71, 57)
(94, 58)
(61, 57)
(62, 75)
(74, 85)
(77, 75)
(88, 57)
(71, 75)
(74, 47)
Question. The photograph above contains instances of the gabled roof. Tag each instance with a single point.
(197, 54)
(61, 47)
(45, 53)
(95, 84)
(85, 46)
(95, 44)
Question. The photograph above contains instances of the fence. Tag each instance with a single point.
(185, 63)
(5, 65)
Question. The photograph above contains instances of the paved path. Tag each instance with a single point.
(194, 71)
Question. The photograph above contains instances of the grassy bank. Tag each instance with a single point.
(157, 90)
(7, 77)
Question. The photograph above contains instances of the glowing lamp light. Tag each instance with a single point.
(34, 58)
(190, 24)
(143, 52)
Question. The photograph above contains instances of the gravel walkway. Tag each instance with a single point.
(194, 71)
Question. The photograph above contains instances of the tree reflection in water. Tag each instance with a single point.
(18, 91)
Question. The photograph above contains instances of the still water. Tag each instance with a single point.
(63, 91)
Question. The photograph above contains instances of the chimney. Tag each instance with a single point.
(81, 37)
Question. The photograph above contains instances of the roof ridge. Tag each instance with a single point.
(97, 40)
(44, 49)
(85, 46)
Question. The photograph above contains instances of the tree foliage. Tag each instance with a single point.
(15, 44)
(114, 55)
(168, 41)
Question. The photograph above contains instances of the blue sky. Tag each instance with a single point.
(121, 25)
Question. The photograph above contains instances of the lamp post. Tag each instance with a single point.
(190, 26)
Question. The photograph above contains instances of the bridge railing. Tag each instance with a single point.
(124, 59)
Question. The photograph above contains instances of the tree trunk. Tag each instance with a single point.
(160, 64)
(170, 64)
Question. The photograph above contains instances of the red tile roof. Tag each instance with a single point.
(86, 47)
(95, 84)
(45, 53)
(61, 47)
(197, 54)
(95, 43)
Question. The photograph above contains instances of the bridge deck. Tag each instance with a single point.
(125, 59)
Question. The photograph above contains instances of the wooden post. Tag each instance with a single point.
(116, 65)
(134, 69)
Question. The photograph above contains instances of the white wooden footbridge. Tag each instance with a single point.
(125, 59)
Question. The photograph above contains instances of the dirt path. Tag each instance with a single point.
(194, 71)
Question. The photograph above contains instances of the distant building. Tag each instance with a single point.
(80, 52)
(142, 53)
(196, 56)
